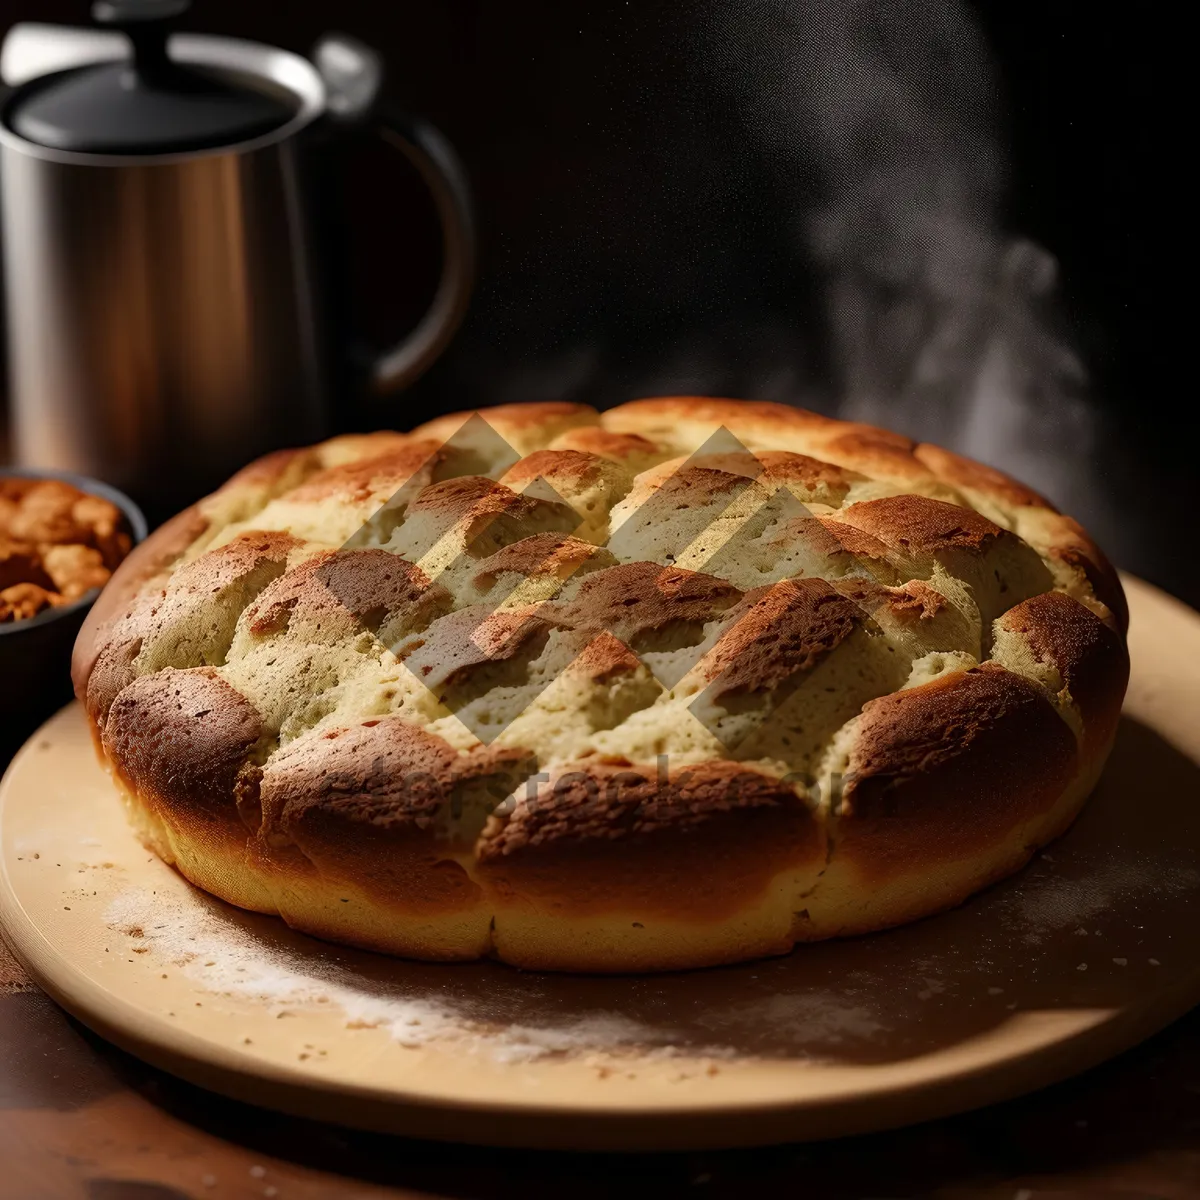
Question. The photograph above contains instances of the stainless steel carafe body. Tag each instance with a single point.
(162, 310)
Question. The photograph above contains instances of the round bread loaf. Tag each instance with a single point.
(681, 683)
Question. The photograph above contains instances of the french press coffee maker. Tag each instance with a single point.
(166, 313)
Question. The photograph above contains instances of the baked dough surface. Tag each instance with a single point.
(681, 683)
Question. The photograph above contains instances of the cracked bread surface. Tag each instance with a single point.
(677, 684)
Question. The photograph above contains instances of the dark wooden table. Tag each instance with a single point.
(79, 1118)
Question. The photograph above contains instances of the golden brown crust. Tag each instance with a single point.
(366, 479)
(352, 447)
(448, 652)
(178, 615)
(572, 466)
(383, 773)
(267, 475)
(847, 549)
(480, 508)
(343, 591)
(703, 479)
(1076, 550)
(617, 837)
(921, 526)
(1090, 658)
(554, 554)
(547, 419)
(634, 600)
(943, 770)
(603, 657)
(686, 422)
(911, 602)
(383, 806)
(946, 540)
(965, 473)
(779, 468)
(113, 665)
(778, 634)
(182, 740)
(163, 547)
(627, 449)
(696, 481)
(466, 498)
(304, 725)
(662, 413)
(877, 452)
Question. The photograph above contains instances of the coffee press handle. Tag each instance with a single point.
(353, 76)
(446, 179)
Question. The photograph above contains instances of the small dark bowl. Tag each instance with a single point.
(35, 655)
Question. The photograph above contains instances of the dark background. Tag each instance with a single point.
(962, 220)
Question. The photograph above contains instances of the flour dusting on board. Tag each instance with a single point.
(1076, 930)
(206, 941)
(1039, 904)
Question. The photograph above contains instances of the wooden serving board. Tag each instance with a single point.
(1090, 949)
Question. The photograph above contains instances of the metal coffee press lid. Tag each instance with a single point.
(149, 104)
